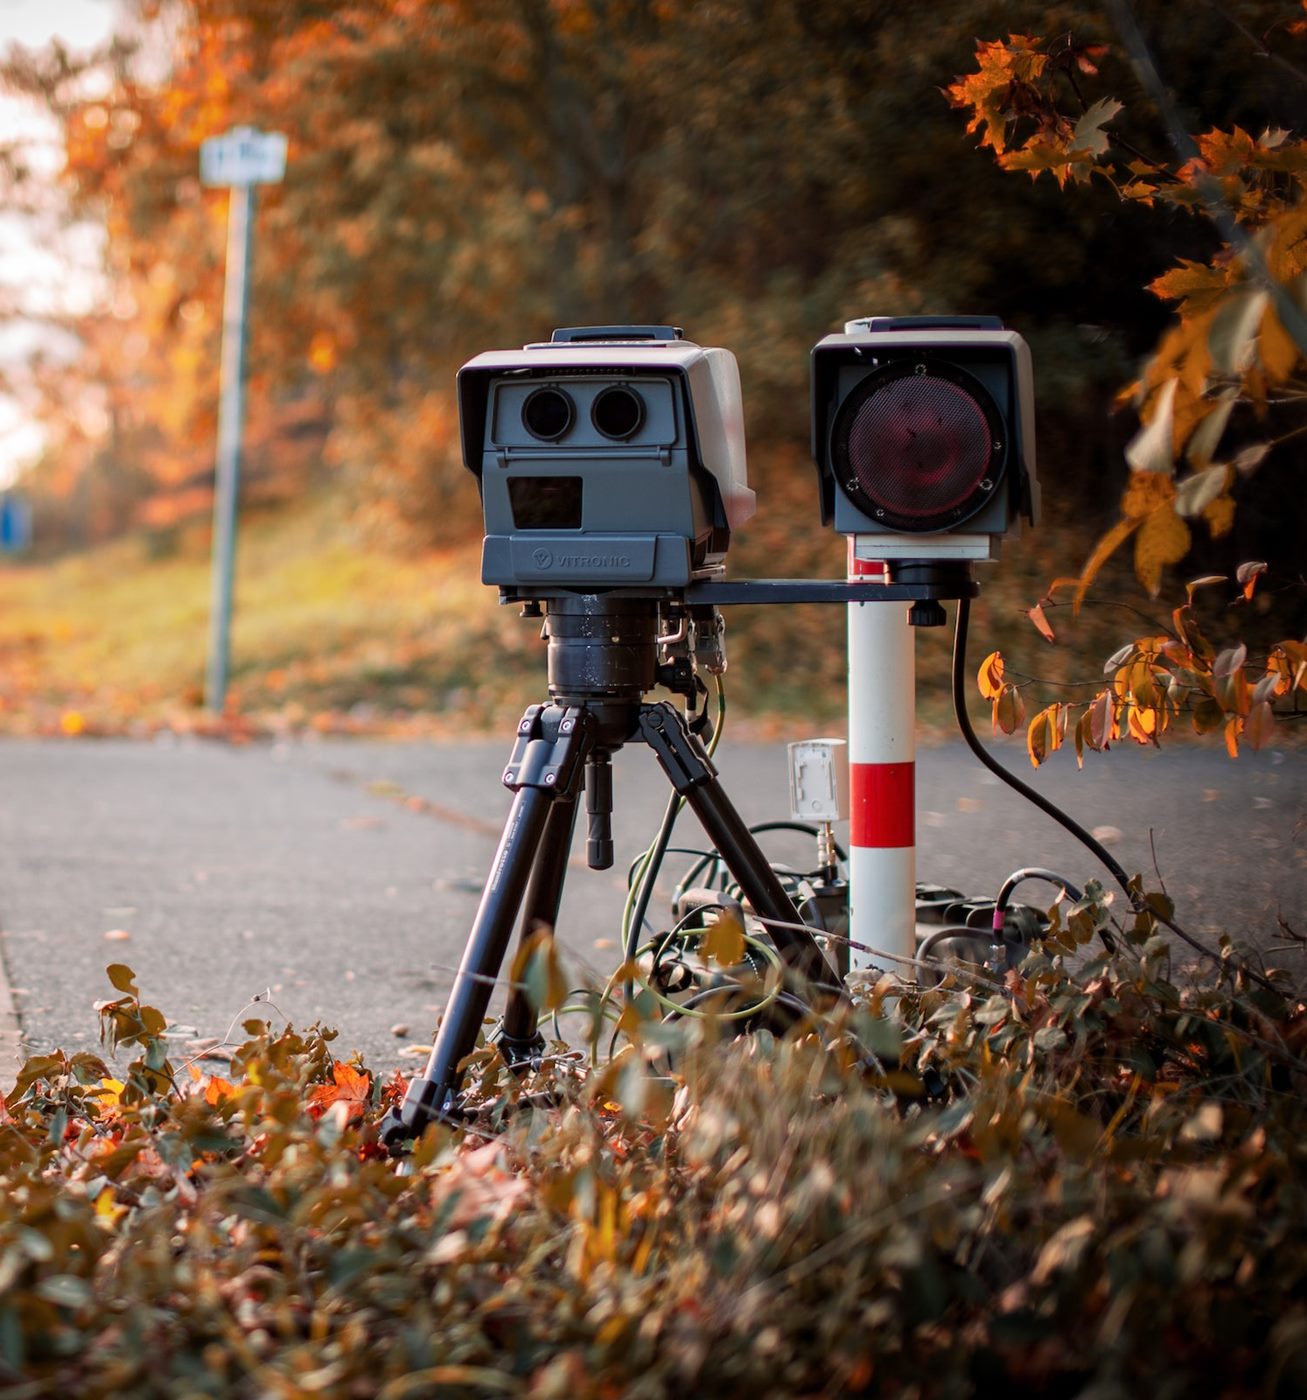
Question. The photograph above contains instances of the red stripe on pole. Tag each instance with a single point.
(883, 802)
(867, 568)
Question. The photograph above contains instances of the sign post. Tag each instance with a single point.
(239, 159)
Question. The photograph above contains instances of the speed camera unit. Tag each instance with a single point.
(923, 434)
(607, 457)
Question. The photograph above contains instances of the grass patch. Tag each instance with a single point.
(334, 631)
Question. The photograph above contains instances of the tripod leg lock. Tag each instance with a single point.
(682, 756)
(520, 1052)
(550, 745)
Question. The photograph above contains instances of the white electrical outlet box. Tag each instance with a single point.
(819, 780)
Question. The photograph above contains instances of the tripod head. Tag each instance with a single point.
(606, 653)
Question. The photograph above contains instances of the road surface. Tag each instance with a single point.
(338, 878)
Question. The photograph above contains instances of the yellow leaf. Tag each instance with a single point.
(72, 722)
(1046, 732)
(723, 942)
(1146, 492)
(1164, 539)
(1037, 739)
(990, 676)
(1103, 550)
(1219, 515)
(107, 1209)
(1142, 725)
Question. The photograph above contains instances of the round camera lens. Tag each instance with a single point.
(920, 446)
(618, 412)
(547, 414)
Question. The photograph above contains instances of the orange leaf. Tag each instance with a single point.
(349, 1086)
(1232, 736)
(1036, 615)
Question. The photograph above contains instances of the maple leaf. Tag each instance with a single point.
(349, 1086)
(1089, 134)
(1002, 70)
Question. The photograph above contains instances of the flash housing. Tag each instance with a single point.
(608, 456)
(923, 435)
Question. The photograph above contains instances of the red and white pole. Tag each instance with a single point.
(882, 776)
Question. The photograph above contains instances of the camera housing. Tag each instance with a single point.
(923, 434)
(607, 457)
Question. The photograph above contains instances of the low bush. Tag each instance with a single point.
(1086, 1178)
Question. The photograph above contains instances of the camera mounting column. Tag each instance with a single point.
(923, 432)
(882, 775)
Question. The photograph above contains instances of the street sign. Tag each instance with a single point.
(15, 523)
(240, 158)
(243, 156)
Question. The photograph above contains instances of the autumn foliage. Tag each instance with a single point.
(1085, 1175)
(1236, 353)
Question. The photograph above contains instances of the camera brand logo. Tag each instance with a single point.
(546, 559)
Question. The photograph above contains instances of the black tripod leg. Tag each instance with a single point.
(692, 774)
(483, 956)
(547, 763)
(519, 1040)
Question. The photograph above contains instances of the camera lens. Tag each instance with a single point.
(919, 447)
(618, 412)
(547, 414)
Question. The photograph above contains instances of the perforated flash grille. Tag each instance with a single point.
(919, 449)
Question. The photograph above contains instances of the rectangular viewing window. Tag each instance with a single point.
(545, 502)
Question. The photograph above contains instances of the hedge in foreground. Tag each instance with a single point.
(1084, 1180)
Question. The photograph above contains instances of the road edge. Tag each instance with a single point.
(11, 1029)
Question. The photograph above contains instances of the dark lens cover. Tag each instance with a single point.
(919, 445)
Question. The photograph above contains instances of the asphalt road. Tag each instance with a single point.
(340, 878)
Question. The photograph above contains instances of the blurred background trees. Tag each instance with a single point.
(469, 173)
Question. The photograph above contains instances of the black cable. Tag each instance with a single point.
(1137, 903)
(1011, 779)
(804, 828)
(1032, 872)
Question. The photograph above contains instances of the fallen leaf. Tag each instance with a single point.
(349, 1086)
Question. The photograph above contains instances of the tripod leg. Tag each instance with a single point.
(547, 763)
(519, 1040)
(692, 774)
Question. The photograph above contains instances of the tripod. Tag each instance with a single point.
(603, 660)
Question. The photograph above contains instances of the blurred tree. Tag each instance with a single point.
(468, 174)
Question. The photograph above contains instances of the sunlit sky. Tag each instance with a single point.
(41, 272)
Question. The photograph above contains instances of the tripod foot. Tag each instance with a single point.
(424, 1104)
